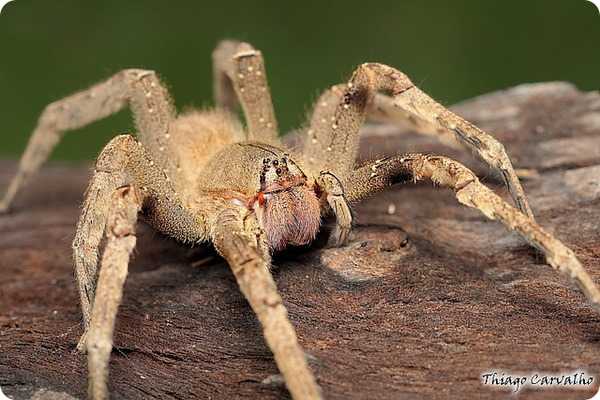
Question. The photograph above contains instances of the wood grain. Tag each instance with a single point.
(419, 304)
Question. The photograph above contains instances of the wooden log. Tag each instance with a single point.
(426, 297)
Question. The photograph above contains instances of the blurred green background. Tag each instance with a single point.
(453, 49)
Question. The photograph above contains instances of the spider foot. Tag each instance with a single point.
(5, 204)
(82, 344)
(277, 380)
(340, 236)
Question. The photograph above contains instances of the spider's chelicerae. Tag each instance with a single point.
(202, 176)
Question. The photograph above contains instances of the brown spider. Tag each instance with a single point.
(202, 177)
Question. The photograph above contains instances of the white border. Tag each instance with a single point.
(2, 4)
(594, 2)
(2, 395)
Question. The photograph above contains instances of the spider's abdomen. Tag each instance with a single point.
(197, 136)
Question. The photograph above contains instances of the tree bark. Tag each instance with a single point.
(427, 296)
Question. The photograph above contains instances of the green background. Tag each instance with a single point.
(453, 49)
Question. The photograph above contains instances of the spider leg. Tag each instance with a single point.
(124, 161)
(469, 191)
(429, 116)
(334, 129)
(120, 235)
(334, 191)
(149, 102)
(235, 238)
(383, 110)
(239, 75)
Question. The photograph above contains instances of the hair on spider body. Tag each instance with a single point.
(285, 202)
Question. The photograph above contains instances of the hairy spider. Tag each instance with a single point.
(202, 176)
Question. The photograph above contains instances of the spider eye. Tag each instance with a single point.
(266, 160)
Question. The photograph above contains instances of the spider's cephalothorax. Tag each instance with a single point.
(201, 177)
(272, 185)
(286, 205)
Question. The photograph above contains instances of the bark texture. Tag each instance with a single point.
(427, 296)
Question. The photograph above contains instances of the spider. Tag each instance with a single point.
(204, 177)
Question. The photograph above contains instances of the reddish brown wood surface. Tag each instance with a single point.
(382, 318)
